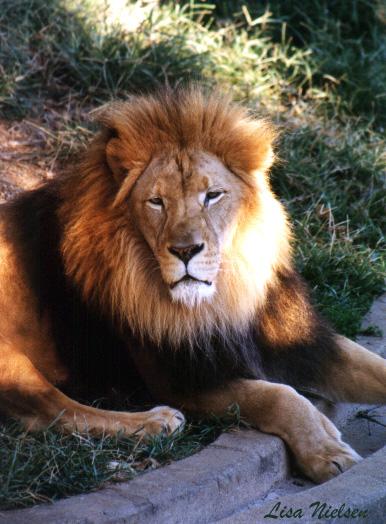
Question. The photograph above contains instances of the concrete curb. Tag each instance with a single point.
(228, 474)
(362, 491)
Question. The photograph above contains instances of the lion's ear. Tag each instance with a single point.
(109, 117)
(261, 153)
(115, 157)
(249, 149)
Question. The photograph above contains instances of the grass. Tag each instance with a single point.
(317, 68)
(45, 466)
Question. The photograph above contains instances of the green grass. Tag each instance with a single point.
(336, 196)
(45, 466)
(317, 68)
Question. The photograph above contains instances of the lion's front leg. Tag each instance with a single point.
(279, 409)
(25, 394)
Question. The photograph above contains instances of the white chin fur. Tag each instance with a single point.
(192, 293)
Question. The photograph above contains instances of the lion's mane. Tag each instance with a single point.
(105, 254)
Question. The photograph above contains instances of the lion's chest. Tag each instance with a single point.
(186, 369)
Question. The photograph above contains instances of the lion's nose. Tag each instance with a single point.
(185, 253)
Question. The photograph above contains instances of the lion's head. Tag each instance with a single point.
(172, 222)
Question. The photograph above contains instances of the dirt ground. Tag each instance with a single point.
(25, 157)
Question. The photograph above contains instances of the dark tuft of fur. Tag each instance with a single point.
(302, 361)
(89, 344)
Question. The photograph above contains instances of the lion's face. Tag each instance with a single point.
(185, 206)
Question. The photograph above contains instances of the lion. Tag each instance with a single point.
(163, 258)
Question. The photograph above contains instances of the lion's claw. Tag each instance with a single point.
(162, 419)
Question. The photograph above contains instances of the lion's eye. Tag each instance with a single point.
(155, 202)
(213, 196)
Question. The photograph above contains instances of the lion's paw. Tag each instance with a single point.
(162, 419)
(329, 455)
(334, 458)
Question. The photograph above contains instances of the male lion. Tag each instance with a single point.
(164, 257)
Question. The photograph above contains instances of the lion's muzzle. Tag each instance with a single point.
(190, 287)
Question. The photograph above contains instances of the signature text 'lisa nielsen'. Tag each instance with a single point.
(317, 510)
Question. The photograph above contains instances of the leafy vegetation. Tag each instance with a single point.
(317, 68)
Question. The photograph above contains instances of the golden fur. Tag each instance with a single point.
(106, 256)
(165, 256)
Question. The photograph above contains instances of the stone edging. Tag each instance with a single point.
(359, 495)
(229, 473)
